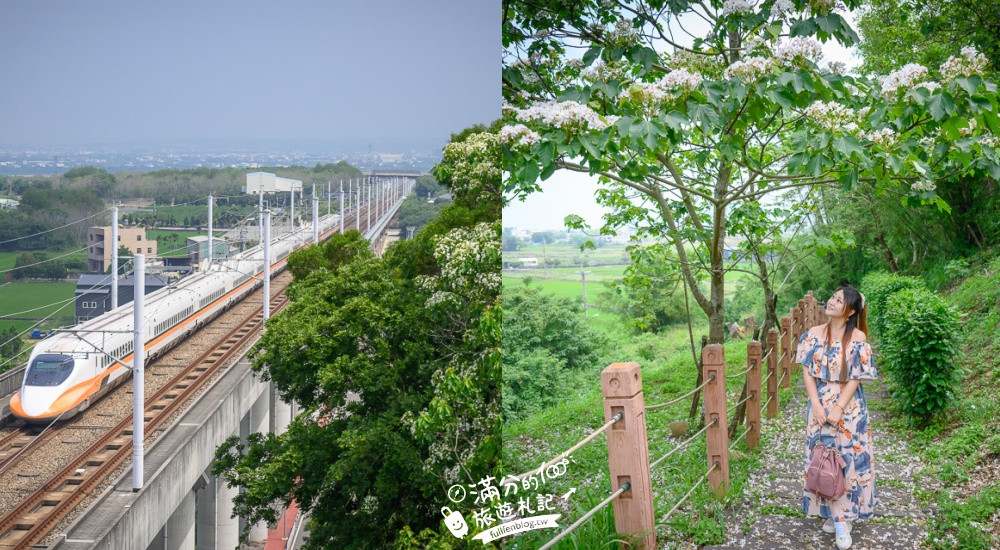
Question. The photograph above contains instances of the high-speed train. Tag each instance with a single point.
(70, 370)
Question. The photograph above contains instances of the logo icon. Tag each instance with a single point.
(455, 522)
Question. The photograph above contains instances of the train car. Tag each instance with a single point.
(70, 370)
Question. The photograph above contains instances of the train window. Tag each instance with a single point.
(49, 369)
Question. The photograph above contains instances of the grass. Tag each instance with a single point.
(668, 371)
(20, 296)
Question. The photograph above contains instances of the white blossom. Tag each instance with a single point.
(749, 69)
(971, 62)
(832, 116)
(797, 48)
(675, 83)
(781, 8)
(729, 7)
(837, 67)
(923, 186)
(519, 135)
(568, 115)
(863, 112)
(930, 85)
(970, 129)
(897, 82)
(989, 140)
(885, 137)
(623, 34)
(823, 7)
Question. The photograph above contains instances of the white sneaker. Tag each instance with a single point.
(829, 528)
(843, 537)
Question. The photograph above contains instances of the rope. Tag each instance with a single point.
(737, 440)
(739, 373)
(569, 451)
(780, 380)
(681, 446)
(681, 501)
(766, 403)
(764, 381)
(766, 355)
(783, 354)
(671, 402)
(625, 487)
(744, 400)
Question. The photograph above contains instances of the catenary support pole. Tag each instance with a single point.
(267, 264)
(114, 257)
(315, 216)
(291, 212)
(341, 207)
(211, 247)
(138, 393)
(368, 210)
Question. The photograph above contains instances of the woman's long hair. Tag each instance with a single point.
(859, 319)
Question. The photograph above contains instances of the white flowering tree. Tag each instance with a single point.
(690, 110)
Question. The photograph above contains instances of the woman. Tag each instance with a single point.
(838, 412)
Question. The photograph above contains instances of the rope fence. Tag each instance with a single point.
(621, 490)
(681, 398)
(625, 427)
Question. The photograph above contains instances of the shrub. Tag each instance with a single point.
(919, 346)
(545, 339)
(878, 287)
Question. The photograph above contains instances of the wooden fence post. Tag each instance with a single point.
(628, 453)
(786, 351)
(772, 388)
(717, 440)
(753, 391)
(811, 310)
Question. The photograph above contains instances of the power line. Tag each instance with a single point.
(55, 228)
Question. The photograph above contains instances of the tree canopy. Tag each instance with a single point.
(684, 129)
(395, 363)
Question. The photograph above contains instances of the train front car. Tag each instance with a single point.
(57, 385)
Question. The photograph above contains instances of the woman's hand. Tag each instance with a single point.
(819, 414)
(835, 414)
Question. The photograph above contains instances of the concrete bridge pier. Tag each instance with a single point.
(258, 420)
(214, 509)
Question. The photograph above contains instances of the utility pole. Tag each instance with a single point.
(210, 243)
(114, 257)
(291, 212)
(328, 197)
(138, 390)
(341, 207)
(267, 264)
(583, 278)
(315, 216)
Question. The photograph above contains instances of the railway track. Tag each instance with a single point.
(35, 516)
(32, 520)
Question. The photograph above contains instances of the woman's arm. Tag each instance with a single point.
(819, 413)
(846, 394)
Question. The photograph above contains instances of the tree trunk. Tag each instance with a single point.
(889, 257)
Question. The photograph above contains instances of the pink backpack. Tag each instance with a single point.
(825, 476)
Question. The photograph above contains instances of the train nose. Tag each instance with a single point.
(36, 401)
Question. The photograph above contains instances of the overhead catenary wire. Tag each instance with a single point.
(55, 228)
(48, 259)
(35, 309)
(33, 326)
(678, 399)
(624, 487)
(683, 444)
(570, 451)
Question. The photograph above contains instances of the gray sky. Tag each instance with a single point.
(124, 71)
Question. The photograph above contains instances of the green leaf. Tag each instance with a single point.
(849, 179)
(675, 120)
(919, 95)
(781, 97)
(941, 106)
(591, 55)
(847, 145)
(805, 27)
(980, 103)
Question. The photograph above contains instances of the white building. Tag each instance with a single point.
(270, 183)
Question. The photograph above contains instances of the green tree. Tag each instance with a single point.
(680, 134)
(428, 187)
(395, 363)
(10, 343)
(545, 339)
(510, 241)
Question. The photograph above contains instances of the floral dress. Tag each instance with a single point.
(852, 435)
